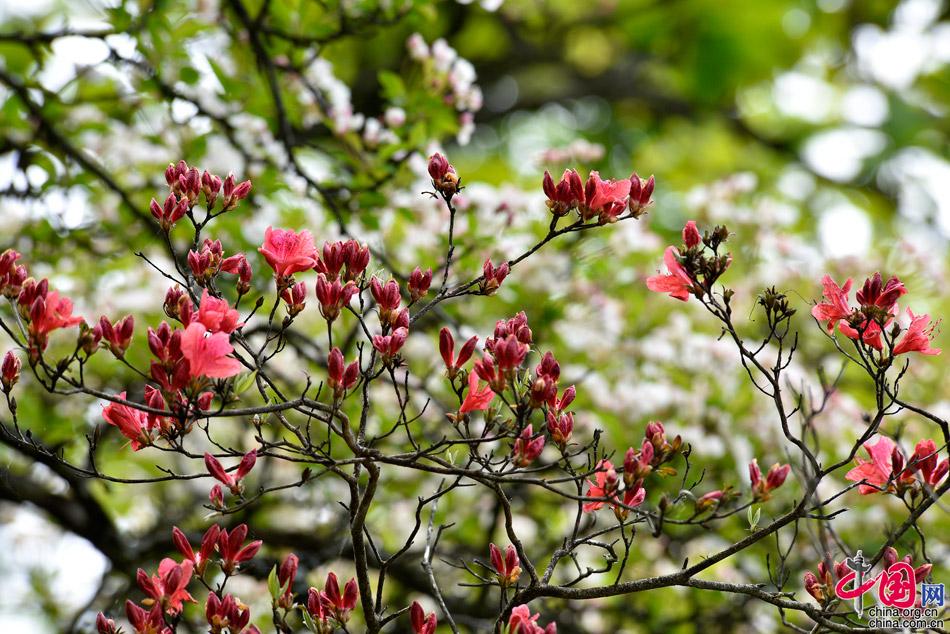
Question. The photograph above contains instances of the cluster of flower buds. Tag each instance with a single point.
(444, 178)
(12, 275)
(234, 483)
(209, 261)
(188, 183)
(892, 557)
(506, 352)
(709, 500)
(389, 345)
(507, 567)
(664, 449)
(695, 267)
(167, 591)
(346, 260)
(170, 212)
(492, 276)
(454, 364)
(872, 323)
(330, 607)
(523, 622)
(295, 297)
(228, 615)
(9, 371)
(118, 336)
(340, 376)
(605, 200)
(527, 447)
(388, 299)
(334, 296)
(422, 623)
(821, 586)
(419, 283)
(762, 488)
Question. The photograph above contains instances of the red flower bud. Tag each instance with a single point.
(9, 371)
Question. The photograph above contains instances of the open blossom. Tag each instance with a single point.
(131, 423)
(169, 587)
(207, 353)
(288, 252)
(605, 198)
(217, 315)
(476, 398)
(878, 470)
(50, 313)
(605, 486)
(523, 622)
(677, 282)
(917, 337)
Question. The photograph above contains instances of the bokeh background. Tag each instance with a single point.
(816, 130)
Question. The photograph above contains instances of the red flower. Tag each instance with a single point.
(677, 282)
(9, 371)
(208, 543)
(566, 195)
(876, 472)
(104, 625)
(288, 252)
(217, 315)
(387, 298)
(708, 500)
(836, 307)
(151, 622)
(118, 336)
(507, 567)
(207, 354)
(444, 178)
(883, 296)
(50, 313)
(606, 486)
(285, 577)
(691, 235)
(775, 478)
(419, 283)
(295, 296)
(605, 198)
(227, 613)
(12, 276)
(333, 296)
(232, 548)
(421, 622)
(447, 350)
(493, 276)
(337, 603)
(169, 587)
(917, 336)
(341, 377)
(560, 427)
(476, 398)
(390, 345)
(219, 473)
(132, 423)
(170, 212)
(640, 193)
(527, 449)
(925, 459)
(337, 255)
(523, 622)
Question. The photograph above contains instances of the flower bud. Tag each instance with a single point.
(9, 371)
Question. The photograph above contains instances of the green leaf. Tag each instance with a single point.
(754, 517)
(273, 585)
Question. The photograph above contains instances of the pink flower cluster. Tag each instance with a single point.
(605, 200)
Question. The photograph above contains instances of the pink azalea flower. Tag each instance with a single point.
(604, 194)
(169, 587)
(917, 336)
(477, 398)
(677, 283)
(217, 315)
(605, 486)
(836, 307)
(876, 472)
(523, 622)
(288, 252)
(207, 354)
(132, 423)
